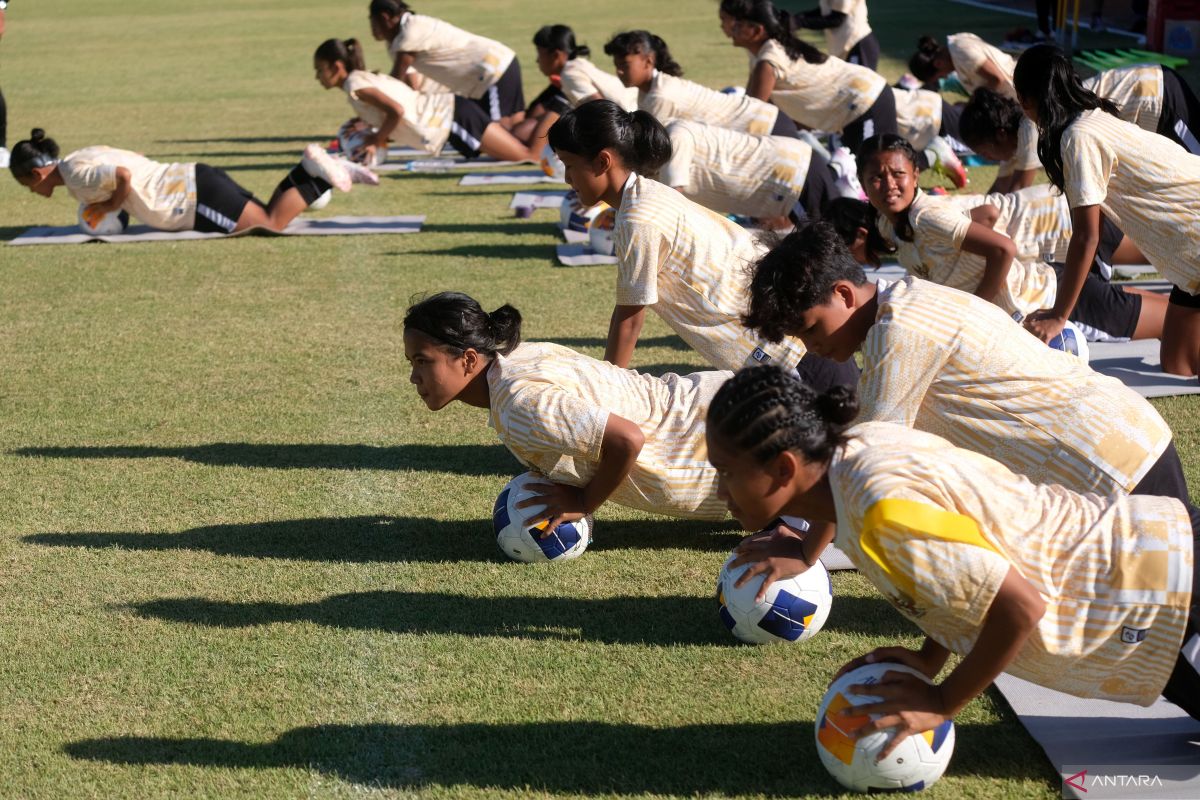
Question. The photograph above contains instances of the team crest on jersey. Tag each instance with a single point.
(1132, 635)
(760, 355)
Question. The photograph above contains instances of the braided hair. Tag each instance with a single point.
(765, 411)
(457, 322)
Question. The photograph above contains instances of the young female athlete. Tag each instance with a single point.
(176, 197)
(481, 69)
(987, 563)
(1143, 182)
(644, 62)
(994, 126)
(848, 34)
(975, 62)
(685, 261)
(937, 239)
(596, 431)
(819, 92)
(770, 178)
(401, 114)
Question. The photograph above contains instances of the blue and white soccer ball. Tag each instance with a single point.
(110, 224)
(1072, 341)
(524, 542)
(792, 611)
(353, 137)
(915, 764)
(600, 232)
(575, 216)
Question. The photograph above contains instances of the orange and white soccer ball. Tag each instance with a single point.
(552, 165)
(600, 232)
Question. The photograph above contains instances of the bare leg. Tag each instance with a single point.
(1180, 351)
(1128, 253)
(524, 131)
(503, 146)
(1154, 311)
(284, 207)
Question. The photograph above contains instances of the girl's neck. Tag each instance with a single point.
(817, 503)
(620, 178)
(478, 393)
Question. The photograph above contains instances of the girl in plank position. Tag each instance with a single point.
(984, 561)
(176, 197)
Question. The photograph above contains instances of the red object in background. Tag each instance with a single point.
(1162, 10)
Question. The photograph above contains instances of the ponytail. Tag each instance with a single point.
(457, 322)
(639, 140)
(348, 52)
(763, 411)
(777, 24)
(560, 37)
(921, 65)
(644, 42)
(870, 150)
(29, 154)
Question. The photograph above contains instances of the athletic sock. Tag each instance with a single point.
(309, 186)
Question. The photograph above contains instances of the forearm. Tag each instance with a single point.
(819, 536)
(623, 332)
(615, 465)
(120, 193)
(994, 275)
(934, 656)
(391, 121)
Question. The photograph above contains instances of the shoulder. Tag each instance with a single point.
(773, 53)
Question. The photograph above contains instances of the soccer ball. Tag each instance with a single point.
(552, 165)
(793, 610)
(600, 232)
(1072, 341)
(353, 137)
(322, 201)
(110, 224)
(915, 764)
(523, 543)
(575, 216)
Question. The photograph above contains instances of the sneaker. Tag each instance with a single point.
(360, 173)
(4, 158)
(947, 163)
(319, 164)
(848, 186)
(843, 162)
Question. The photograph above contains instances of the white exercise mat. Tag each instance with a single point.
(548, 198)
(523, 176)
(436, 165)
(329, 226)
(580, 255)
(1092, 734)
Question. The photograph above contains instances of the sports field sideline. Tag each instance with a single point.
(239, 556)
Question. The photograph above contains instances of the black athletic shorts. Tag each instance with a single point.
(785, 126)
(878, 119)
(219, 200)
(552, 99)
(1104, 306)
(822, 374)
(1181, 298)
(1183, 687)
(1180, 114)
(1110, 239)
(467, 127)
(866, 52)
(506, 96)
(951, 114)
(818, 192)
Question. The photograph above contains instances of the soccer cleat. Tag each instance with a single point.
(360, 173)
(319, 164)
(947, 163)
(846, 169)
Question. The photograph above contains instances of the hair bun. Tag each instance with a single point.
(37, 135)
(838, 405)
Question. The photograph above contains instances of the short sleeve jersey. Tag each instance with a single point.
(161, 195)
(670, 98)
(826, 96)
(689, 264)
(918, 115)
(550, 406)
(1137, 92)
(1145, 183)
(935, 253)
(841, 40)
(582, 79)
(734, 172)
(468, 64)
(937, 528)
(968, 53)
(425, 123)
(1026, 157)
(946, 362)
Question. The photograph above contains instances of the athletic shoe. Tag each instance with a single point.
(947, 163)
(360, 173)
(4, 157)
(319, 164)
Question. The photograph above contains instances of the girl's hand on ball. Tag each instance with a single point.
(562, 504)
(882, 655)
(776, 553)
(907, 706)
(1044, 325)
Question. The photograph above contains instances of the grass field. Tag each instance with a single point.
(240, 559)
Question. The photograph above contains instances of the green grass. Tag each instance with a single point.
(240, 558)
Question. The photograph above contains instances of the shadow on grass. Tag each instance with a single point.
(496, 251)
(673, 342)
(306, 138)
(866, 616)
(508, 228)
(8, 232)
(663, 369)
(584, 757)
(457, 459)
(371, 539)
(281, 152)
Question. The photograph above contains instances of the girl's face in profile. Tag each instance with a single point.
(635, 69)
(438, 375)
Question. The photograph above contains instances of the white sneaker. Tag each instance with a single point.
(360, 173)
(947, 163)
(319, 164)
(4, 157)
(844, 162)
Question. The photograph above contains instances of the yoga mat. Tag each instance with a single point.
(1092, 734)
(507, 178)
(435, 165)
(329, 226)
(1136, 365)
(580, 255)
(576, 237)
(547, 198)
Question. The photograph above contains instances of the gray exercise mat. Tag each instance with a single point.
(438, 165)
(328, 226)
(1094, 734)
(1136, 365)
(514, 177)
(580, 255)
(546, 198)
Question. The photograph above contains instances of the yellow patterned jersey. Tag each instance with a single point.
(689, 264)
(1026, 157)
(670, 98)
(425, 123)
(939, 228)
(949, 363)
(969, 53)
(824, 97)
(734, 172)
(468, 64)
(1037, 219)
(161, 195)
(840, 41)
(937, 529)
(1137, 91)
(918, 115)
(581, 79)
(550, 406)
(1145, 184)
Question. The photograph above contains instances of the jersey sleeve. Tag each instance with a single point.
(771, 53)
(899, 366)
(576, 83)
(1087, 168)
(641, 251)
(550, 419)
(678, 171)
(90, 178)
(943, 225)
(412, 36)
